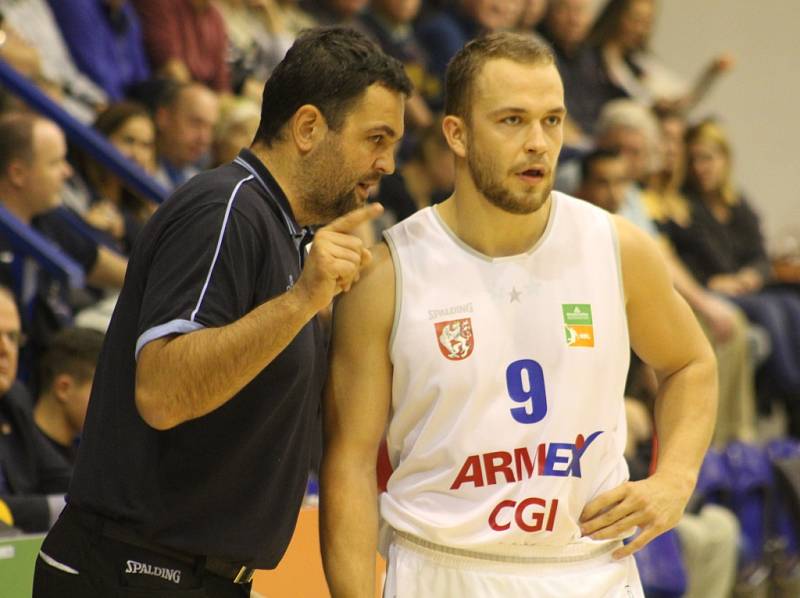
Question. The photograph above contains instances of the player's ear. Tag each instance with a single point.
(455, 132)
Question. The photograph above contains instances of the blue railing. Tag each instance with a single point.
(26, 241)
(95, 144)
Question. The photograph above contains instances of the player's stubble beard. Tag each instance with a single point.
(484, 174)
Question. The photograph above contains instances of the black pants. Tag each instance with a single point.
(79, 562)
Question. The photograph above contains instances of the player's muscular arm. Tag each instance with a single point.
(184, 377)
(357, 402)
(665, 334)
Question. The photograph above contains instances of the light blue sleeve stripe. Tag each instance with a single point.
(172, 327)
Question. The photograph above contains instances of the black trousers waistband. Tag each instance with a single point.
(115, 530)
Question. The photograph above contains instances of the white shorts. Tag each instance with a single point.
(414, 571)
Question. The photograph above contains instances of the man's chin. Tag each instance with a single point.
(518, 205)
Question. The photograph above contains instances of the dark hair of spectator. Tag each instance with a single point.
(329, 68)
(72, 351)
(116, 115)
(467, 64)
(16, 139)
(606, 25)
(108, 122)
(168, 92)
(597, 155)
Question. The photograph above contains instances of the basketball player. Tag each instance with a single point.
(493, 331)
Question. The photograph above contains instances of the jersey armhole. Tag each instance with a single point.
(398, 288)
(620, 280)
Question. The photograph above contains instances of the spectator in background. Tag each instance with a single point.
(97, 194)
(20, 54)
(663, 195)
(185, 117)
(426, 178)
(622, 34)
(533, 12)
(34, 22)
(390, 22)
(33, 476)
(709, 533)
(604, 179)
(629, 129)
(105, 40)
(67, 369)
(293, 17)
(235, 129)
(723, 247)
(668, 207)
(186, 41)
(33, 169)
(334, 12)
(447, 31)
(587, 87)
(258, 38)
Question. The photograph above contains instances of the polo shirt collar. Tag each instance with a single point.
(248, 160)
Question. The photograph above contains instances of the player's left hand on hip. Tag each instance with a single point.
(654, 505)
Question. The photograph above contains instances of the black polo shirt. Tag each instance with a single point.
(228, 484)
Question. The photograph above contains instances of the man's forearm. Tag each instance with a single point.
(686, 410)
(181, 378)
(348, 529)
(108, 270)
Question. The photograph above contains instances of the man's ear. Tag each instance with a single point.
(307, 127)
(17, 173)
(62, 386)
(455, 132)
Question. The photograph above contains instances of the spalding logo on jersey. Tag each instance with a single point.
(455, 338)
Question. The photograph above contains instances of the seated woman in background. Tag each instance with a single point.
(723, 247)
(622, 32)
(98, 195)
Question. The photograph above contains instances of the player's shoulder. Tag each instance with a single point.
(377, 278)
(635, 244)
(371, 299)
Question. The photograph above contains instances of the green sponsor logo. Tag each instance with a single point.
(577, 314)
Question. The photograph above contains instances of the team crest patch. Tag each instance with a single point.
(578, 324)
(455, 338)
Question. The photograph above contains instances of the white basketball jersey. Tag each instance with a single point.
(509, 375)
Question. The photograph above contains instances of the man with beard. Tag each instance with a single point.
(493, 332)
(197, 441)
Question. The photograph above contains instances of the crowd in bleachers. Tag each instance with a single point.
(176, 86)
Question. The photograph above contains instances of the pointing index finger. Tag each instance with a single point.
(348, 222)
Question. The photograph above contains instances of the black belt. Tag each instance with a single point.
(109, 528)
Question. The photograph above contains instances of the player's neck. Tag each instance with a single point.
(489, 229)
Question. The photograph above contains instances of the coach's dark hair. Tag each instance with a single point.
(466, 65)
(16, 139)
(329, 68)
(596, 155)
(72, 351)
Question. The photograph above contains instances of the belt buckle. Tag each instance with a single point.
(245, 575)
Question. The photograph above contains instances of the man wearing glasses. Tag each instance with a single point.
(33, 476)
